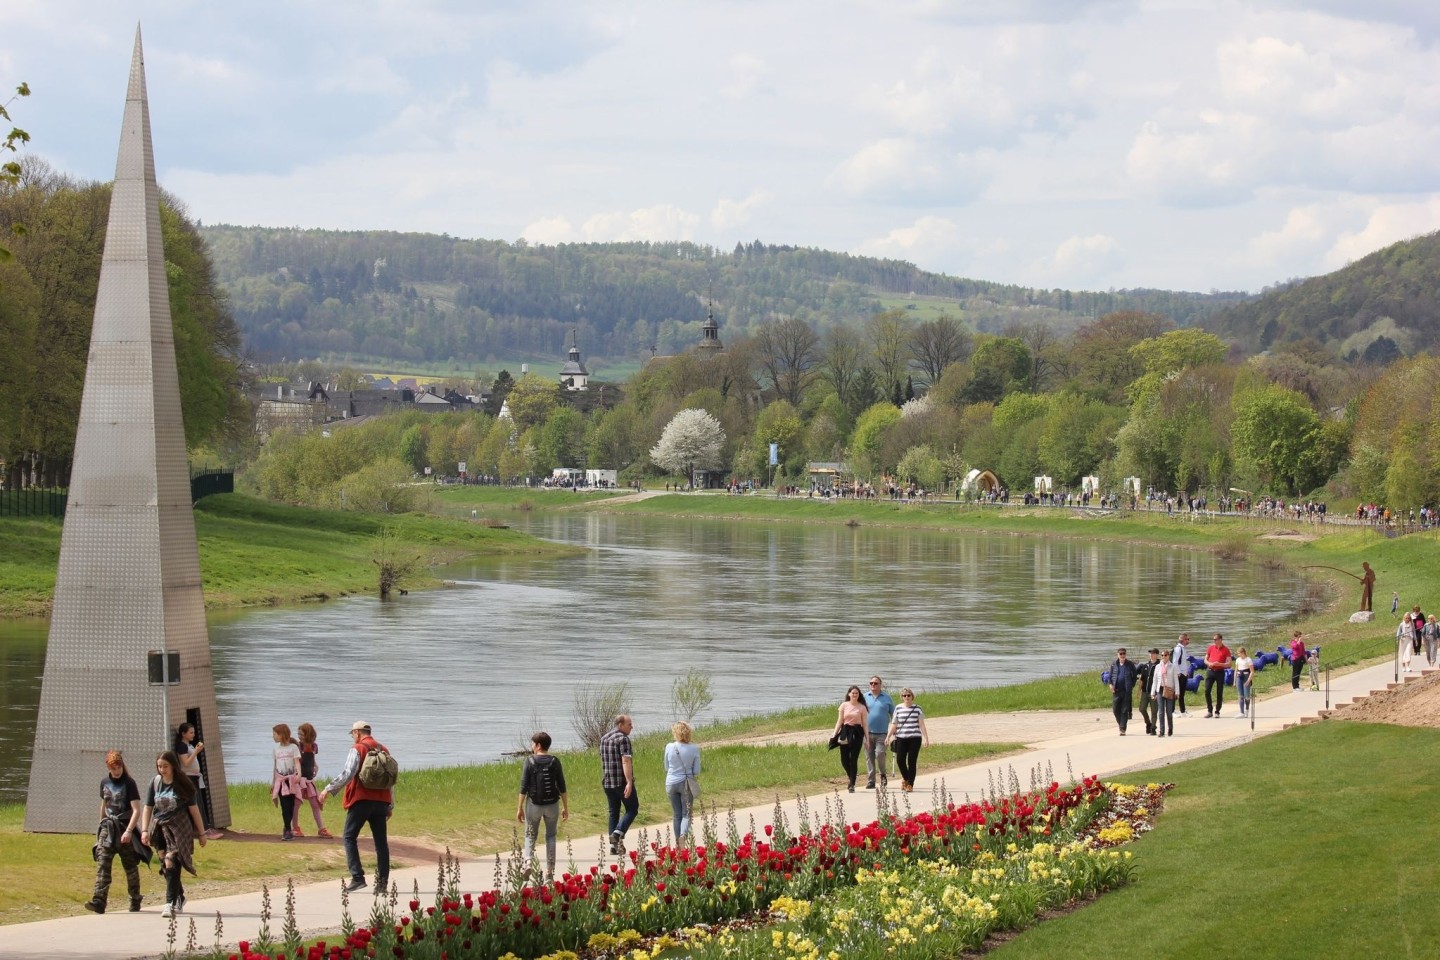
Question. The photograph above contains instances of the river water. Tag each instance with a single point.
(777, 615)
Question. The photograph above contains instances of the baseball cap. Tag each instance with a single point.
(359, 725)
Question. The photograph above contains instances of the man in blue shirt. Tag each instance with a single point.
(882, 708)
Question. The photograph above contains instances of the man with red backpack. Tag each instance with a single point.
(369, 799)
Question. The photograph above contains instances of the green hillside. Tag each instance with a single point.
(1376, 309)
(426, 298)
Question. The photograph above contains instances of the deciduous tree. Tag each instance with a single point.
(692, 440)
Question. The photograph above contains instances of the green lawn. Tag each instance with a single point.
(1312, 843)
(253, 551)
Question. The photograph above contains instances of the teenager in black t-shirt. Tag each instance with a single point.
(119, 822)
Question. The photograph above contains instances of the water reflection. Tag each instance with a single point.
(777, 614)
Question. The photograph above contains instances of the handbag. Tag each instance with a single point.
(1168, 692)
(834, 742)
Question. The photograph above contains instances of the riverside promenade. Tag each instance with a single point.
(1086, 743)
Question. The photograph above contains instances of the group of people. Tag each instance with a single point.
(871, 721)
(1163, 680)
(543, 797)
(1417, 632)
(168, 821)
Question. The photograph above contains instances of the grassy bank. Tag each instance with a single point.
(253, 551)
(468, 809)
(1309, 843)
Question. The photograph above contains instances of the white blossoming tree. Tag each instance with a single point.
(691, 441)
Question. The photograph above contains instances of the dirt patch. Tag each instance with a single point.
(1416, 704)
(1289, 535)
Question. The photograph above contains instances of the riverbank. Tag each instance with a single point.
(254, 552)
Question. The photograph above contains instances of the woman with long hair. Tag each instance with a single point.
(850, 731)
(171, 824)
(309, 755)
(285, 781)
(188, 750)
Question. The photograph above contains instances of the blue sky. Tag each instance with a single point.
(1053, 143)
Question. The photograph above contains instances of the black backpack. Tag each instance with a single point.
(545, 786)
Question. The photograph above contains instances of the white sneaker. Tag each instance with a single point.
(169, 910)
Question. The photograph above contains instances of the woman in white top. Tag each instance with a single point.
(682, 768)
(1244, 675)
(1405, 636)
(907, 733)
(1163, 689)
(285, 781)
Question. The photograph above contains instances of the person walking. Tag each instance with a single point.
(309, 754)
(363, 805)
(1405, 636)
(1144, 679)
(1122, 686)
(906, 735)
(542, 798)
(1217, 661)
(1431, 634)
(1297, 659)
(1244, 678)
(682, 767)
(1180, 657)
(617, 779)
(119, 819)
(1162, 688)
(881, 711)
(850, 731)
(286, 783)
(171, 824)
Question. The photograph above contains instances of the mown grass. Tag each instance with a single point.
(469, 809)
(460, 500)
(253, 551)
(1309, 843)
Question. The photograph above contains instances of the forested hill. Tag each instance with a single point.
(427, 297)
(1378, 308)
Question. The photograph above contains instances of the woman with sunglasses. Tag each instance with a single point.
(907, 734)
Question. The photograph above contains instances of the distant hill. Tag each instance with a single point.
(435, 298)
(1379, 307)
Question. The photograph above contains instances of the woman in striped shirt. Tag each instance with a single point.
(907, 734)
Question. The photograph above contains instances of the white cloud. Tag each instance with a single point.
(924, 240)
(1386, 225)
(749, 75)
(660, 222)
(736, 213)
(1084, 261)
(549, 231)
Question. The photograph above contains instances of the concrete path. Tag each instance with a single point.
(1085, 742)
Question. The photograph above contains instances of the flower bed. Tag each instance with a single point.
(927, 885)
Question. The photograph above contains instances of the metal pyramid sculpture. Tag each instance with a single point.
(129, 579)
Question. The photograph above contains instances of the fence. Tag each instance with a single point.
(35, 502)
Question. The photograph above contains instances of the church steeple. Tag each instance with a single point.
(574, 376)
(710, 331)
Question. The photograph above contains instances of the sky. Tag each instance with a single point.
(1085, 144)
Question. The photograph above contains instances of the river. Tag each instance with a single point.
(778, 615)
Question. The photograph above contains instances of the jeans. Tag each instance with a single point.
(616, 798)
(1149, 709)
(534, 813)
(850, 752)
(1242, 690)
(1214, 680)
(1296, 665)
(376, 813)
(679, 809)
(1166, 721)
(875, 760)
(1120, 706)
(287, 811)
(907, 757)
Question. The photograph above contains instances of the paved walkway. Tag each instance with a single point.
(1084, 742)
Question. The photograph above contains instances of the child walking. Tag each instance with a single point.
(286, 783)
(309, 751)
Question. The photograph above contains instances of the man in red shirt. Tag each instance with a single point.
(1217, 661)
(363, 806)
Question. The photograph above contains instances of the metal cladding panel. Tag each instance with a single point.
(129, 576)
